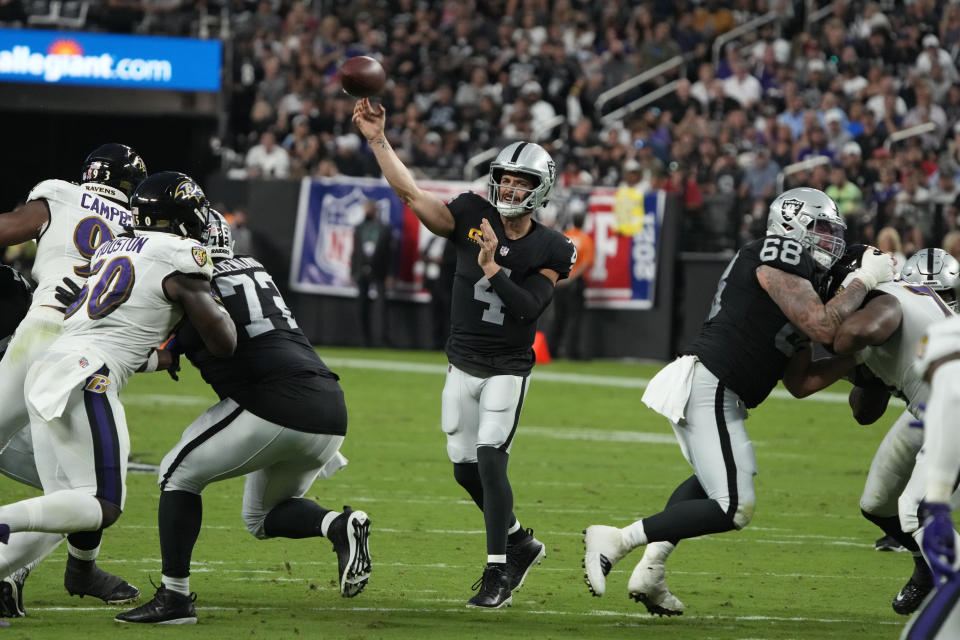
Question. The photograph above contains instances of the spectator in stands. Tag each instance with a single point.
(849, 201)
(943, 196)
(267, 159)
(660, 48)
(742, 87)
(701, 89)
(888, 241)
(925, 111)
(933, 54)
(837, 135)
(880, 103)
(951, 244)
(760, 180)
(872, 136)
(793, 116)
(302, 146)
(912, 210)
(349, 160)
(816, 144)
(851, 159)
(541, 111)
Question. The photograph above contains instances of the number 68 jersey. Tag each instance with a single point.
(747, 340)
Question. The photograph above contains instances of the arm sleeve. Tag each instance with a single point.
(524, 303)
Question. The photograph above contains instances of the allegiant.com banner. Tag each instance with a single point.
(109, 60)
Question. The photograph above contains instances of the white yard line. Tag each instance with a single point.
(596, 613)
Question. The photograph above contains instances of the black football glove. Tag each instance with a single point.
(175, 367)
(69, 294)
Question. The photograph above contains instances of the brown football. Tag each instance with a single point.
(362, 76)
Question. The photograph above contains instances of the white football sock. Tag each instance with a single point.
(83, 554)
(658, 552)
(514, 528)
(26, 547)
(179, 585)
(325, 523)
(497, 559)
(633, 535)
(58, 512)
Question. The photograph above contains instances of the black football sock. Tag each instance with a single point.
(295, 518)
(687, 519)
(921, 571)
(891, 527)
(83, 541)
(498, 506)
(689, 489)
(179, 517)
(467, 475)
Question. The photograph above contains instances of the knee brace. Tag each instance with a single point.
(110, 512)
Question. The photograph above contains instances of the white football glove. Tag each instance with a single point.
(875, 267)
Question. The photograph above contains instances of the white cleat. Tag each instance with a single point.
(648, 586)
(604, 548)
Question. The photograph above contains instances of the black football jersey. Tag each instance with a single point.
(14, 301)
(484, 339)
(747, 340)
(273, 371)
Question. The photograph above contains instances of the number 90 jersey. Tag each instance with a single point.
(81, 218)
(123, 310)
(484, 338)
(747, 340)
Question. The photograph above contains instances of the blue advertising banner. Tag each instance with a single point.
(109, 60)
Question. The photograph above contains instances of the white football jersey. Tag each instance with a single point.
(942, 339)
(81, 218)
(895, 361)
(124, 312)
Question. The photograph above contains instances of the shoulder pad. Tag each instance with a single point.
(52, 190)
(191, 258)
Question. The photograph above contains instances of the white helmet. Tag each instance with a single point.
(810, 217)
(220, 237)
(934, 268)
(529, 160)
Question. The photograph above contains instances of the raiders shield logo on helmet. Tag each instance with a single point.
(199, 255)
(791, 208)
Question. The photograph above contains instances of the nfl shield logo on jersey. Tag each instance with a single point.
(199, 255)
(504, 250)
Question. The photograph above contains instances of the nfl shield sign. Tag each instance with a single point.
(328, 211)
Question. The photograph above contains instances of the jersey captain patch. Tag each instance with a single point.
(199, 255)
(475, 234)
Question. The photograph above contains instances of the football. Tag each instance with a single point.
(362, 77)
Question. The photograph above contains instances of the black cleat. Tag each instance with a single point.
(888, 543)
(87, 579)
(911, 596)
(350, 534)
(521, 557)
(11, 594)
(167, 607)
(494, 586)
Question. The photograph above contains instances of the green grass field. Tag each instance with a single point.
(587, 451)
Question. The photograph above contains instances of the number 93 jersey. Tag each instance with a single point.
(81, 218)
(123, 310)
(746, 339)
(484, 338)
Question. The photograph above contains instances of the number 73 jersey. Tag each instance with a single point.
(747, 340)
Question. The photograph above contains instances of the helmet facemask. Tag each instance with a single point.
(525, 160)
(810, 217)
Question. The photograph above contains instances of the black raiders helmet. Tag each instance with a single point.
(115, 165)
(172, 202)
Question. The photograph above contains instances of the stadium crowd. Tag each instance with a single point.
(829, 87)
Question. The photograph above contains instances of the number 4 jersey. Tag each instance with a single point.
(747, 340)
(484, 338)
